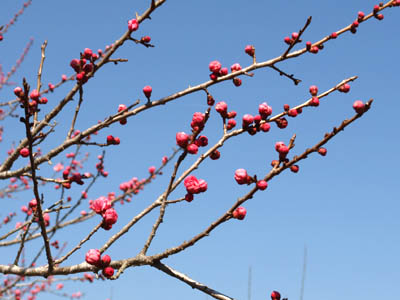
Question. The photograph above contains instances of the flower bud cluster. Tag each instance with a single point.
(93, 257)
(103, 207)
(194, 186)
(85, 65)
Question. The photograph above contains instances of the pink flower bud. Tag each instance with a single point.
(294, 168)
(241, 176)
(247, 120)
(292, 113)
(215, 155)
(87, 53)
(198, 119)
(18, 91)
(182, 139)
(133, 25)
(264, 110)
(249, 49)
(24, 152)
(152, 169)
(110, 216)
(231, 124)
(215, 66)
(313, 90)
(192, 148)
(239, 213)
(108, 272)
(93, 257)
(223, 72)
(359, 106)
(34, 95)
(314, 101)
(147, 91)
(236, 67)
(275, 295)
(222, 108)
(105, 261)
(189, 197)
(262, 185)
(322, 151)
(345, 88)
(146, 39)
(194, 185)
(265, 127)
(33, 203)
(75, 64)
(237, 81)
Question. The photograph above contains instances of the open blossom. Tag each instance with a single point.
(194, 185)
(100, 205)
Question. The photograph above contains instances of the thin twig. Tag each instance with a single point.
(94, 230)
(308, 22)
(291, 76)
(39, 77)
(77, 109)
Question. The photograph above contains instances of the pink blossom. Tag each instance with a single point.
(58, 167)
(110, 216)
(194, 185)
(100, 205)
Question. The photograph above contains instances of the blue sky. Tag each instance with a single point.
(343, 207)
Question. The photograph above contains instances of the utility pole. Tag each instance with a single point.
(249, 285)
(303, 277)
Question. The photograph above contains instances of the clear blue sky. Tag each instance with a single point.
(344, 207)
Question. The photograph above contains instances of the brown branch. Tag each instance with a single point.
(274, 172)
(191, 282)
(4, 173)
(165, 195)
(117, 60)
